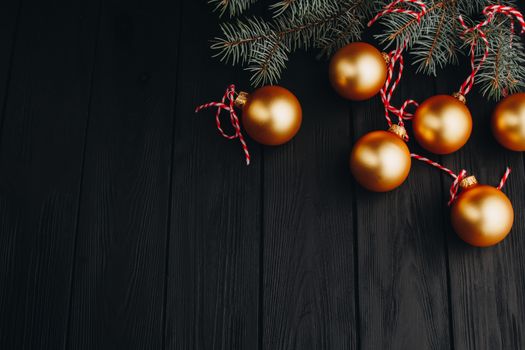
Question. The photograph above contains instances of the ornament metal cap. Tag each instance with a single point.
(460, 97)
(399, 131)
(241, 99)
(467, 182)
(386, 57)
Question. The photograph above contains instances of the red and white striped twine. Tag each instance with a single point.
(490, 12)
(396, 56)
(469, 82)
(504, 178)
(391, 8)
(230, 95)
(454, 188)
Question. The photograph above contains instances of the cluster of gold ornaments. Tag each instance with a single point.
(380, 160)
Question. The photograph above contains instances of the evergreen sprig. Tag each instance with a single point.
(437, 39)
(504, 70)
(263, 46)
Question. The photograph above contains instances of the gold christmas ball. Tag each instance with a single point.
(357, 71)
(482, 215)
(442, 124)
(272, 115)
(508, 122)
(380, 161)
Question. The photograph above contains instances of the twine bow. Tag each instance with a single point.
(230, 96)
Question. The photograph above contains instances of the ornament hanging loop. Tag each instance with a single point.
(230, 107)
(395, 58)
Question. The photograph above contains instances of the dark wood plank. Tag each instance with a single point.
(401, 246)
(308, 255)
(9, 11)
(215, 220)
(487, 284)
(119, 277)
(40, 167)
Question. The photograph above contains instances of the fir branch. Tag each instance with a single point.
(504, 70)
(438, 41)
(298, 8)
(265, 46)
(433, 42)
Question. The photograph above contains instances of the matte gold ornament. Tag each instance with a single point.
(508, 122)
(271, 115)
(358, 71)
(482, 215)
(442, 124)
(380, 160)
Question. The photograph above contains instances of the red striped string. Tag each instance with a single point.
(396, 57)
(391, 8)
(491, 11)
(504, 178)
(469, 82)
(454, 188)
(230, 95)
(388, 89)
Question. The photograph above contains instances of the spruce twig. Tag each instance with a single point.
(263, 46)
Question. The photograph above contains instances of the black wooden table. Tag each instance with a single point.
(126, 222)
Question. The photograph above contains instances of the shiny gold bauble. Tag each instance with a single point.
(482, 215)
(380, 161)
(442, 124)
(357, 71)
(271, 115)
(508, 122)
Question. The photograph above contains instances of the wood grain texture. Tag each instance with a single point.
(119, 278)
(40, 166)
(128, 222)
(487, 284)
(8, 218)
(215, 219)
(308, 243)
(401, 246)
(9, 11)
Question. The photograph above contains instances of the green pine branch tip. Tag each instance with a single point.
(263, 46)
